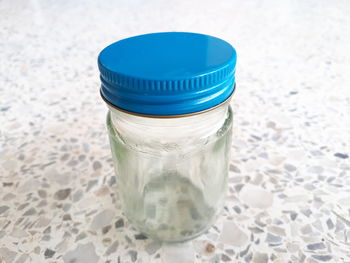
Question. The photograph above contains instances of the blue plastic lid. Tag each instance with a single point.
(170, 73)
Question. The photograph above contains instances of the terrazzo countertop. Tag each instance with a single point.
(289, 184)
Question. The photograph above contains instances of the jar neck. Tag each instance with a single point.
(165, 130)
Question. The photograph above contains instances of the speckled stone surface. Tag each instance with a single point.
(289, 185)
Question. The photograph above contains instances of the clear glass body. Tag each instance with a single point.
(171, 172)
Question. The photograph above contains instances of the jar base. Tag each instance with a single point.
(171, 209)
(178, 241)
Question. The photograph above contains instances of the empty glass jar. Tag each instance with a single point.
(169, 125)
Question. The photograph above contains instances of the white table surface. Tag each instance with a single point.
(289, 186)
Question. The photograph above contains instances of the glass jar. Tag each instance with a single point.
(171, 153)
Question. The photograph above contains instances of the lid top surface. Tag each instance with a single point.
(167, 56)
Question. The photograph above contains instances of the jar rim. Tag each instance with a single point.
(169, 116)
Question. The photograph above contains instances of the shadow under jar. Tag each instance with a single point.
(170, 125)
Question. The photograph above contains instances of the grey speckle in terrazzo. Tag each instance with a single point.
(102, 219)
(82, 254)
(112, 248)
(3, 208)
(289, 180)
(62, 194)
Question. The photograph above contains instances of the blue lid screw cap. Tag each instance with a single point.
(173, 73)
